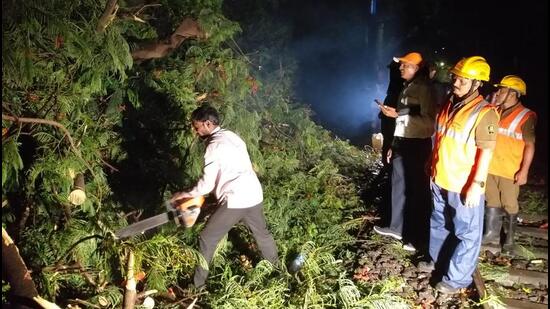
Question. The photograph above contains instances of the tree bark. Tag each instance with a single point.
(109, 13)
(130, 293)
(22, 289)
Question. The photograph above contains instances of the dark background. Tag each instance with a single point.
(343, 48)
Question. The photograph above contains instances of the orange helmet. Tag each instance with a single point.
(475, 67)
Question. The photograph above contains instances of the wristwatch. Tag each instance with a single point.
(480, 183)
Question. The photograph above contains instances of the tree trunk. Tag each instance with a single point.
(23, 293)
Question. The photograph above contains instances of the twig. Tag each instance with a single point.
(113, 169)
(190, 297)
(146, 293)
(145, 6)
(83, 302)
(193, 303)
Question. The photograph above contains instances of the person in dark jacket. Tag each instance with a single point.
(409, 154)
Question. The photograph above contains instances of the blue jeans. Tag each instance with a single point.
(459, 228)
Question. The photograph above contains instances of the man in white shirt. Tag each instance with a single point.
(228, 172)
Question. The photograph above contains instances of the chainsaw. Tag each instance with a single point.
(183, 211)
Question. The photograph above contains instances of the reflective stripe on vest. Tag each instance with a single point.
(508, 153)
(511, 130)
(464, 136)
(455, 148)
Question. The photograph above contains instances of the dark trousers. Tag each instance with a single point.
(387, 127)
(221, 221)
(410, 197)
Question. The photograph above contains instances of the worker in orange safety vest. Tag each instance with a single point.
(466, 129)
(512, 158)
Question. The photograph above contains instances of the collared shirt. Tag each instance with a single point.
(228, 172)
(416, 109)
(487, 128)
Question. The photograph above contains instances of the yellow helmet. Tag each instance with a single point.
(513, 82)
(475, 67)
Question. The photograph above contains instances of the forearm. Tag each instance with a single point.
(206, 183)
(528, 154)
(483, 161)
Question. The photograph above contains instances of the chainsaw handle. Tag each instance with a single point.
(187, 203)
(187, 216)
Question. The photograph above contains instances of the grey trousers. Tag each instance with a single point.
(221, 221)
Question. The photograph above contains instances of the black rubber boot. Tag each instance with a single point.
(493, 224)
(508, 247)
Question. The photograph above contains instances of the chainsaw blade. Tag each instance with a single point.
(144, 225)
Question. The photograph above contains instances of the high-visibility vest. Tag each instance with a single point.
(508, 153)
(454, 153)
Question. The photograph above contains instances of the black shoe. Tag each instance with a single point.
(386, 231)
(426, 267)
(445, 288)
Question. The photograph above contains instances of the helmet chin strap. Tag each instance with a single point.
(503, 108)
(472, 89)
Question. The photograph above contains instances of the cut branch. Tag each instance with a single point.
(130, 293)
(188, 28)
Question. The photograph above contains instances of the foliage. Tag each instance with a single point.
(533, 202)
(132, 142)
(493, 272)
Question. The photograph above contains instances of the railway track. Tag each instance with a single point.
(522, 278)
(519, 281)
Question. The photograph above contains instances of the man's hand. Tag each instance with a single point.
(473, 195)
(388, 111)
(388, 155)
(521, 177)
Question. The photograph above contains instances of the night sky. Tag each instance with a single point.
(343, 48)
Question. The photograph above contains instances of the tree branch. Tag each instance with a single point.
(55, 124)
(111, 7)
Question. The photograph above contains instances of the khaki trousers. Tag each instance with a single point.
(502, 193)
